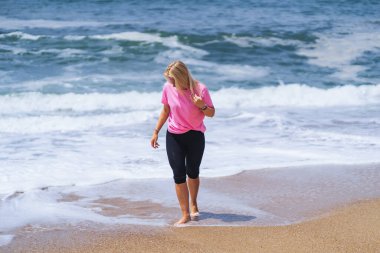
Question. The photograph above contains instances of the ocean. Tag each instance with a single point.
(293, 83)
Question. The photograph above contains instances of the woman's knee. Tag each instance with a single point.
(179, 179)
(193, 174)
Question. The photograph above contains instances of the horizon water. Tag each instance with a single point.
(80, 87)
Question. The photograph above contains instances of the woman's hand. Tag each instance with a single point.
(153, 140)
(161, 121)
(197, 100)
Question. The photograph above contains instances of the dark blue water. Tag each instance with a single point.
(244, 43)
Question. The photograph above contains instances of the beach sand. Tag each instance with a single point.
(313, 209)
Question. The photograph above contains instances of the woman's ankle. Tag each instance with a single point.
(194, 208)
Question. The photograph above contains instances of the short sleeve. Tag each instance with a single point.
(206, 97)
(164, 98)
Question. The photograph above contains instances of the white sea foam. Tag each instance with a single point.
(70, 52)
(21, 35)
(299, 95)
(295, 95)
(338, 52)
(80, 158)
(170, 41)
(41, 208)
(73, 76)
(38, 102)
(115, 50)
(229, 72)
(214, 71)
(333, 51)
(42, 123)
(87, 139)
(5, 239)
(246, 41)
(62, 53)
(14, 50)
(74, 37)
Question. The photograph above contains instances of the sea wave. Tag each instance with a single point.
(169, 41)
(150, 38)
(248, 41)
(66, 123)
(282, 95)
(215, 71)
(37, 102)
(20, 35)
(339, 52)
(299, 95)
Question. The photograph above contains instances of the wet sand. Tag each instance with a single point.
(351, 229)
(314, 209)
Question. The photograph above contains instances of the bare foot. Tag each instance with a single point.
(183, 220)
(194, 214)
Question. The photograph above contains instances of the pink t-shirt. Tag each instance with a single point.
(184, 115)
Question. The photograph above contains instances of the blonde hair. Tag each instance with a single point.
(182, 77)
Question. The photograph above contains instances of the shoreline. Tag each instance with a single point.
(353, 228)
(248, 203)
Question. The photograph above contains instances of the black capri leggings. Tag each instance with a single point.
(185, 153)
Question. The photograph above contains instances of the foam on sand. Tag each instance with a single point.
(284, 199)
(5, 239)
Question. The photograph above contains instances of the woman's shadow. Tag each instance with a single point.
(225, 217)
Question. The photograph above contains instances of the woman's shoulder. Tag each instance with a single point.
(201, 86)
(166, 85)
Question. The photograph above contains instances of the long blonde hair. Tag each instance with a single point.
(182, 77)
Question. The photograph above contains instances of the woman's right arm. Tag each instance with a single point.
(161, 121)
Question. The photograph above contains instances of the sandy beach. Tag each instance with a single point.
(350, 229)
(300, 209)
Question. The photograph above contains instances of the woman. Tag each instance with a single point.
(185, 103)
